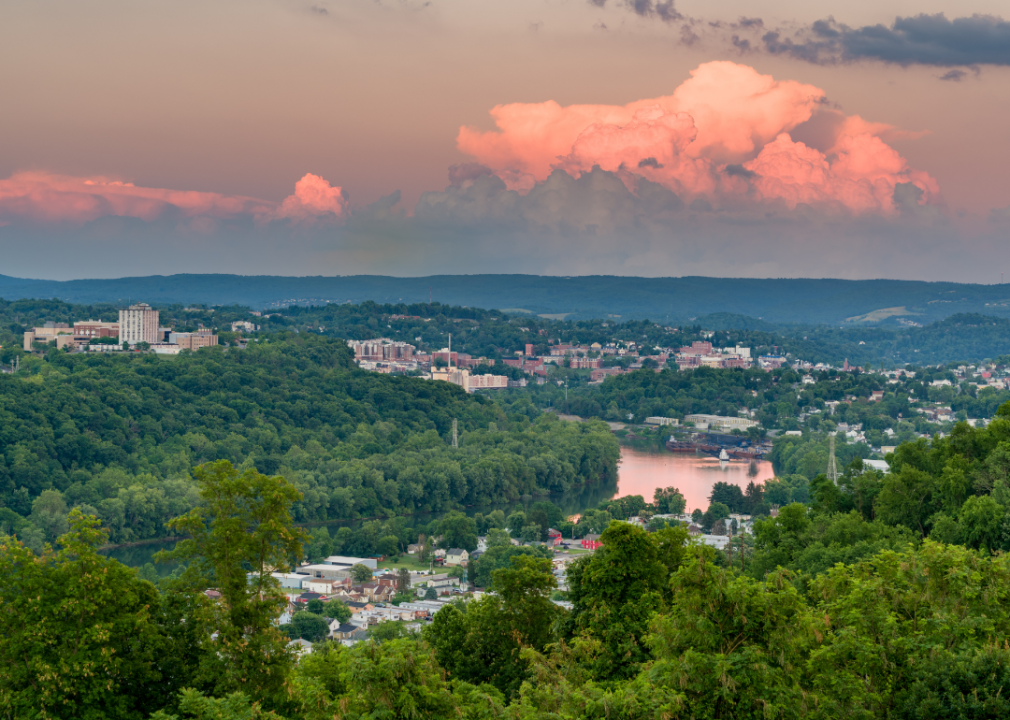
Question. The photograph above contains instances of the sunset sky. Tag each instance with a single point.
(410, 137)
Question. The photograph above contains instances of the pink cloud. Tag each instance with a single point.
(860, 175)
(724, 114)
(41, 197)
(314, 197)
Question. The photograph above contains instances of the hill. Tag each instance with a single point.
(665, 300)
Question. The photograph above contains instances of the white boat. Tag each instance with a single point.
(723, 455)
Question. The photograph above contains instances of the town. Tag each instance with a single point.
(138, 329)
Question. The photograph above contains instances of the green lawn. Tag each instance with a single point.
(410, 562)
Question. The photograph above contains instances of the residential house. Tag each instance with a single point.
(456, 556)
(591, 542)
(323, 586)
(340, 631)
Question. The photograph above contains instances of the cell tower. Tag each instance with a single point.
(832, 463)
(455, 435)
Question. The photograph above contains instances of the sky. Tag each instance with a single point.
(727, 138)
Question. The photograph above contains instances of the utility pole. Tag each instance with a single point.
(832, 463)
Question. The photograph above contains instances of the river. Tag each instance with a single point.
(639, 472)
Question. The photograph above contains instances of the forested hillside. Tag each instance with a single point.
(664, 300)
(118, 436)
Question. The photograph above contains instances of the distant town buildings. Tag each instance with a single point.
(382, 349)
(137, 324)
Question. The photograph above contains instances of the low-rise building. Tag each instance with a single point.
(193, 341)
(719, 422)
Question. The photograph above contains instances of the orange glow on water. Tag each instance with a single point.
(640, 473)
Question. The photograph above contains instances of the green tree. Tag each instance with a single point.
(615, 591)
(390, 630)
(982, 521)
(908, 498)
(716, 512)
(480, 642)
(403, 581)
(315, 606)
(194, 704)
(735, 647)
(669, 501)
(49, 514)
(361, 573)
(244, 524)
(79, 636)
(336, 610)
(458, 531)
(308, 626)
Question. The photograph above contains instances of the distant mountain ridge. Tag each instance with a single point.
(673, 300)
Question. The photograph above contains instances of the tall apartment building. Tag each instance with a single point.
(137, 324)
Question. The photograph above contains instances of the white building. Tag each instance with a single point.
(137, 324)
(719, 422)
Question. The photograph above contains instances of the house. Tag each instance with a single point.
(414, 548)
(876, 396)
(340, 631)
(323, 586)
(457, 556)
(591, 542)
(358, 606)
(553, 537)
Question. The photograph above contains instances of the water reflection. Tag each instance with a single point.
(640, 473)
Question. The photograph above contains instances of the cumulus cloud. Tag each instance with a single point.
(48, 199)
(314, 198)
(919, 40)
(723, 134)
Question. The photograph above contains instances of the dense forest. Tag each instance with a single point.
(832, 613)
(117, 436)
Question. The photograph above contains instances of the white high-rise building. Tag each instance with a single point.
(138, 323)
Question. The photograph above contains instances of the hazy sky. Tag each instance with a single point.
(754, 138)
